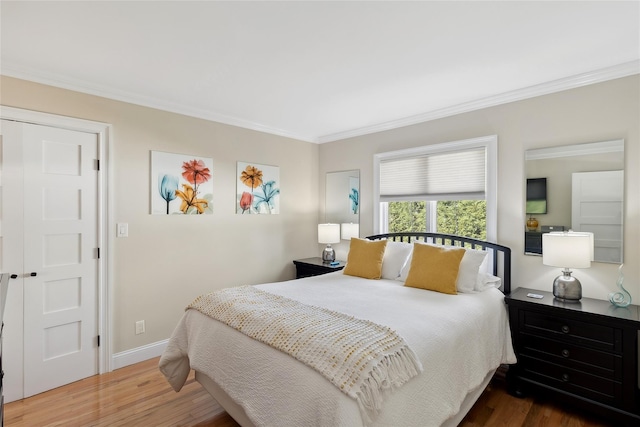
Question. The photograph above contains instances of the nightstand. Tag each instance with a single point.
(314, 267)
(585, 353)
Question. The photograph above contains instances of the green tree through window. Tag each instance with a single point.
(407, 216)
(463, 218)
(460, 217)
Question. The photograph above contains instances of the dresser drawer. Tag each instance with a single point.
(315, 267)
(594, 387)
(596, 362)
(310, 270)
(591, 335)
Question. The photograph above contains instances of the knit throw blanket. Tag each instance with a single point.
(363, 359)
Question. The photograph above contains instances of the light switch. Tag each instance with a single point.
(122, 229)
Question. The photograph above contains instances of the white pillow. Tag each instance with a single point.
(395, 257)
(469, 270)
(486, 266)
(467, 274)
(487, 281)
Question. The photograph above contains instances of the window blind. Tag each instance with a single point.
(442, 176)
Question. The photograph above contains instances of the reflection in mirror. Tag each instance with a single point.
(342, 204)
(584, 192)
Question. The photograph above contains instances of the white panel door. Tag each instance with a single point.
(596, 207)
(60, 260)
(11, 259)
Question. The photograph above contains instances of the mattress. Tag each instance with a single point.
(459, 339)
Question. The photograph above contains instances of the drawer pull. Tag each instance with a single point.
(565, 378)
(565, 329)
(565, 353)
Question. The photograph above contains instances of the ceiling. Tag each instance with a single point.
(319, 71)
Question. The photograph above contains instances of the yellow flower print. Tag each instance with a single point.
(189, 199)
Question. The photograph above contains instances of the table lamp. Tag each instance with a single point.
(328, 233)
(349, 230)
(567, 250)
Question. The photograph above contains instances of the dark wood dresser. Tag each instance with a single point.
(314, 267)
(585, 353)
(4, 287)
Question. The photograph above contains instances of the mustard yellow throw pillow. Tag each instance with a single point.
(434, 268)
(365, 258)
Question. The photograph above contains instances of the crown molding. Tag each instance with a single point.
(78, 85)
(572, 82)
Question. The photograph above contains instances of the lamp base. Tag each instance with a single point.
(328, 255)
(567, 288)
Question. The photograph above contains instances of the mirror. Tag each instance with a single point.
(584, 192)
(342, 201)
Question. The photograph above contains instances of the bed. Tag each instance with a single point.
(457, 339)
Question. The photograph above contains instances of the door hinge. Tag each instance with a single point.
(98, 253)
(97, 164)
(98, 340)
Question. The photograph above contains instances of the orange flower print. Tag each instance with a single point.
(251, 177)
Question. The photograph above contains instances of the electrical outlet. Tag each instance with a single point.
(140, 327)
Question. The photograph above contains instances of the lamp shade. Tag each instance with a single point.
(567, 250)
(328, 233)
(349, 230)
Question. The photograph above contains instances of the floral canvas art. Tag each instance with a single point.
(258, 189)
(354, 194)
(180, 184)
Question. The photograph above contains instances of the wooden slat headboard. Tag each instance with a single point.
(501, 255)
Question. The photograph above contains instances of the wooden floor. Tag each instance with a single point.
(138, 395)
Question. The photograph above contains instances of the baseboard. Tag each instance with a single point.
(136, 355)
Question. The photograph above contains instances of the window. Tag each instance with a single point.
(447, 188)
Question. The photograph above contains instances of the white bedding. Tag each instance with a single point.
(458, 338)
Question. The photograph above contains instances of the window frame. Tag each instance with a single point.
(489, 143)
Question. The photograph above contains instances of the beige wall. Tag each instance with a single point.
(168, 260)
(159, 268)
(599, 112)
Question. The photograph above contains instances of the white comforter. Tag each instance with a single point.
(458, 339)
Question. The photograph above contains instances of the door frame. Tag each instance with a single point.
(105, 213)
